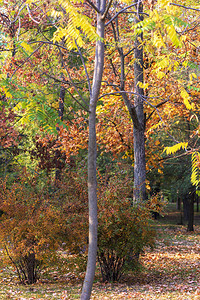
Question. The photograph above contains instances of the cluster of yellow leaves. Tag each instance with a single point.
(175, 148)
(71, 28)
(195, 176)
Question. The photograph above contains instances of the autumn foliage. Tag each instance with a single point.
(9, 137)
(35, 223)
(124, 229)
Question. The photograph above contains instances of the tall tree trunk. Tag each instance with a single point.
(178, 203)
(136, 111)
(138, 132)
(60, 114)
(186, 207)
(190, 226)
(197, 200)
(92, 153)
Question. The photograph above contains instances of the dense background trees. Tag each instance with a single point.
(120, 79)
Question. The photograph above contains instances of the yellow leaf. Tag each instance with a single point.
(175, 148)
(27, 47)
(158, 41)
(163, 3)
(173, 35)
(160, 75)
(185, 63)
(193, 75)
(154, 127)
(143, 85)
(186, 98)
(6, 92)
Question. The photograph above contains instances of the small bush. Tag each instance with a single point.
(34, 225)
(124, 230)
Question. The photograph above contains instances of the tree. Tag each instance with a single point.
(92, 152)
(139, 125)
(69, 29)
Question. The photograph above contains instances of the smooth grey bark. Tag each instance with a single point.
(139, 193)
(135, 109)
(92, 153)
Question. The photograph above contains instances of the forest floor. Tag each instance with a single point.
(170, 271)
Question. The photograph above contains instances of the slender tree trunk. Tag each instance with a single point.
(136, 110)
(186, 207)
(60, 114)
(178, 203)
(92, 153)
(190, 226)
(138, 132)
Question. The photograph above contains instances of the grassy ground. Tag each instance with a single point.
(170, 271)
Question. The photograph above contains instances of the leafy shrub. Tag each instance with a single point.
(124, 230)
(35, 225)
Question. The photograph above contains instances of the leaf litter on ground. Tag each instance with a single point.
(170, 271)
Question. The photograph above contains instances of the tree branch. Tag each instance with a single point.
(186, 7)
(93, 6)
(156, 106)
(72, 82)
(25, 61)
(29, 12)
(107, 9)
(51, 43)
(119, 12)
(77, 101)
(88, 79)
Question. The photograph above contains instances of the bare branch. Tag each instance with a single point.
(19, 28)
(155, 107)
(77, 101)
(158, 105)
(118, 93)
(192, 28)
(119, 12)
(93, 6)
(107, 9)
(186, 7)
(129, 52)
(88, 79)
(25, 61)
(20, 9)
(51, 43)
(72, 82)
(29, 12)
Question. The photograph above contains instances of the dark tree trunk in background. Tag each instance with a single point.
(61, 102)
(60, 114)
(191, 216)
(188, 210)
(191, 213)
(186, 207)
(178, 203)
(197, 200)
